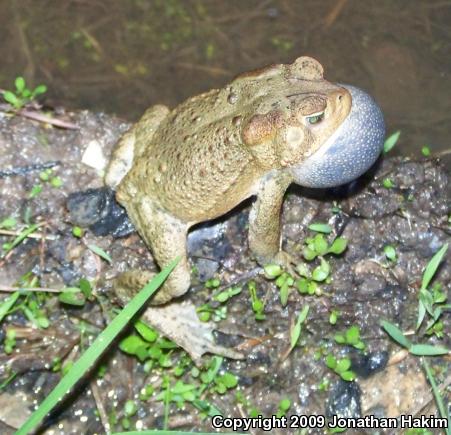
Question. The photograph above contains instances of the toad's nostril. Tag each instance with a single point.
(340, 97)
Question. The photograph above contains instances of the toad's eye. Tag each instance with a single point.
(314, 119)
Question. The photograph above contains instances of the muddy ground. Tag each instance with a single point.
(365, 287)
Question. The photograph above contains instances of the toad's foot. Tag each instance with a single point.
(178, 320)
(282, 258)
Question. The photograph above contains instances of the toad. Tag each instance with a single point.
(255, 136)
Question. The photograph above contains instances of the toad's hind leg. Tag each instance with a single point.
(166, 236)
(133, 143)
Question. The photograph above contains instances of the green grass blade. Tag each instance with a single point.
(433, 265)
(100, 252)
(7, 304)
(438, 398)
(87, 360)
(395, 333)
(428, 350)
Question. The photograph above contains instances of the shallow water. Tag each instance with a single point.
(123, 56)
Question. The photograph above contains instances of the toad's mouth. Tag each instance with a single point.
(351, 150)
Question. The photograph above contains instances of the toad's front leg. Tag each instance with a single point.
(264, 220)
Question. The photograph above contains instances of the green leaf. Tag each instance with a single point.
(100, 252)
(338, 246)
(387, 183)
(7, 304)
(390, 252)
(149, 334)
(343, 365)
(309, 254)
(302, 285)
(340, 338)
(72, 296)
(272, 270)
(8, 223)
(12, 99)
(85, 287)
(428, 350)
(303, 270)
(353, 335)
(97, 348)
(285, 404)
(426, 151)
(331, 361)
(35, 191)
(284, 293)
(312, 288)
(426, 299)
(41, 89)
(348, 376)
(296, 332)
(20, 84)
(396, 334)
(390, 142)
(321, 272)
(229, 380)
(320, 228)
(132, 344)
(432, 266)
(320, 244)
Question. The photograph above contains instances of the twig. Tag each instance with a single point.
(334, 13)
(8, 289)
(99, 404)
(30, 236)
(47, 119)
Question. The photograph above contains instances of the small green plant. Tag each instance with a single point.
(29, 303)
(350, 337)
(148, 347)
(333, 317)
(213, 283)
(341, 367)
(10, 340)
(8, 223)
(227, 294)
(315, 248)
(296, 331)
(76, 296)
(432, 301)
(77, 232)
(388, 183)
(390, 253)
(426, 151)
(22, 95)
(258, 306)
(207, 312)
(284, 406)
